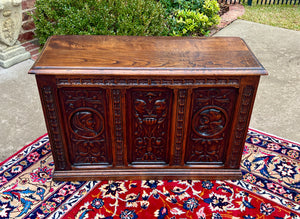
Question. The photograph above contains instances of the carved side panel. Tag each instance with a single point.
(211, 113)
(54, 128)
(241, 127)
(85, 113)
(149, 114)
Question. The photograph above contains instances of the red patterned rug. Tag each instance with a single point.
(269, 189)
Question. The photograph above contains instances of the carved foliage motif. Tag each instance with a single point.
(85, 114)
(150, 118)
(211, 114)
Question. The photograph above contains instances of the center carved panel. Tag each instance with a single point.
(149, 115)
(211, 116)
(85, 114)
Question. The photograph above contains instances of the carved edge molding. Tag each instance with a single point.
(240, 129)
(182, 97)
(117, 116)
(54, 128)
(179, 81)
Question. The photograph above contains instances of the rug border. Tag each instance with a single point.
(19, 151)
(250, 128)
(272, 135)
(52, 215)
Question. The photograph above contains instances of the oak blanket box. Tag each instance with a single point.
(125, 107)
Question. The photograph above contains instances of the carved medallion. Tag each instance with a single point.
(150, 118)
(209, 121)
(86, 123)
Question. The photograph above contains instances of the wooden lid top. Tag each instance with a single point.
(132, 55)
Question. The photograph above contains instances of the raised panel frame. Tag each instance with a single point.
(85, 115)
(149, 118)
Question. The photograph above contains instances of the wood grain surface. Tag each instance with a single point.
(131, 53)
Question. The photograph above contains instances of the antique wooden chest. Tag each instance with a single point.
(122, 107)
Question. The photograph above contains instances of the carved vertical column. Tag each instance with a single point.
(180, 122)
(241, 126)
(54, 128)
(118, 126)
(11, 52)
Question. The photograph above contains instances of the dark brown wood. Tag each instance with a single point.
(120, 107)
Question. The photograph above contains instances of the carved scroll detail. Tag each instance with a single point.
(150, 125)
(240, 130)
(116, 95)
(211, 113)
(56, 143)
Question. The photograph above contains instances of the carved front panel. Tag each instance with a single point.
(149, 115)
(211, 116)
(85, 115)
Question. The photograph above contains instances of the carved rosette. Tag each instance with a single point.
(10, 21)
(211, 114)
(85, 114)
(150, 123)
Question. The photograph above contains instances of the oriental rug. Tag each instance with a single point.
(269, 188)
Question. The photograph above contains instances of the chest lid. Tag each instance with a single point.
(140, 55)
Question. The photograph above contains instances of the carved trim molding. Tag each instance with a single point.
(54, 128)
(111, 82)
(240, 129)
(117, 116)
(182, 98)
